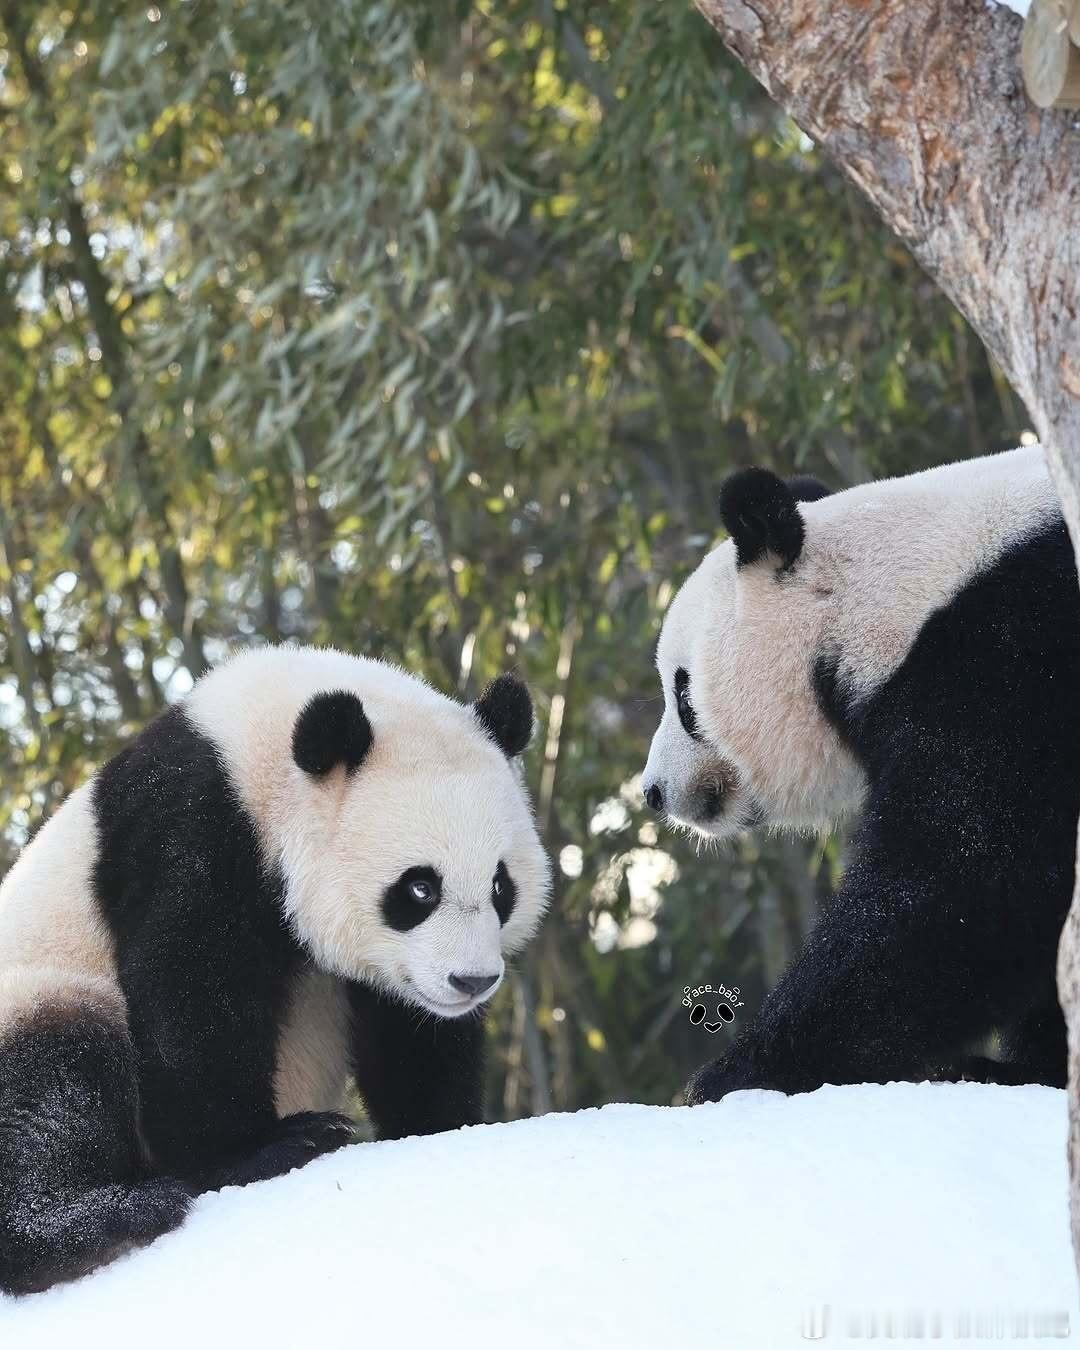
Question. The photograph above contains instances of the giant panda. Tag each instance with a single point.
(311, 867)
(906, 653)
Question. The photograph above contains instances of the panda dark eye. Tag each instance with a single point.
(503, 892)
(411, 899)
(683, 706)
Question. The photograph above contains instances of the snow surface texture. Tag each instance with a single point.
(635, 1227)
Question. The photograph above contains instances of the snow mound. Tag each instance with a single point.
(750, 1223)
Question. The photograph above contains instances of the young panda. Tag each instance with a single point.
(910, 650)
(311, 867)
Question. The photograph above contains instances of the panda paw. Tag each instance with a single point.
(706, 1085)
(294, 1141)
(319, 1131)
(307, 1135)
(154, 1206)
(714, 1081)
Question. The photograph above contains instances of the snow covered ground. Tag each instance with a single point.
(727, 1227)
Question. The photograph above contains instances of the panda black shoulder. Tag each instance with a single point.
(165, 800)
(195, 913)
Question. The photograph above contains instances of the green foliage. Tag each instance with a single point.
(429, 331)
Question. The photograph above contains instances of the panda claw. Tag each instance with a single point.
(294, 1141)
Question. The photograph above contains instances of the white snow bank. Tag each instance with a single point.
(631, 1227)
(1017, 6)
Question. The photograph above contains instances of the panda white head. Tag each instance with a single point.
(743, 741)
(405, 834)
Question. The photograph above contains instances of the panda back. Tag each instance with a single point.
(892, 553)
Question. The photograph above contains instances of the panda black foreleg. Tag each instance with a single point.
(832, 1018)
(416, 1073)
(75, 1190)
(209, 1116)
(891, 984)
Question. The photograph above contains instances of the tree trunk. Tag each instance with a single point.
(921, 104)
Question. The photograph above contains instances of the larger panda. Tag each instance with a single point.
(312, 867)
(908, 651)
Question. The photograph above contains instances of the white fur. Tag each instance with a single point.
(434, 790)
(876, 561)
(54, 945)
(312, 1056)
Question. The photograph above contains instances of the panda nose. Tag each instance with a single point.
(472, 984)
(654, 797)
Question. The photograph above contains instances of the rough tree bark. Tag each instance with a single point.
(921, 104)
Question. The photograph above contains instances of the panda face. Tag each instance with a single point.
(742, 741)
(687, 776)
(398, 817)
(811, 579)
(433, 876)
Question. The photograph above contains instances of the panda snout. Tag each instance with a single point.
(710, 799)
(703, 801)
(473, 985)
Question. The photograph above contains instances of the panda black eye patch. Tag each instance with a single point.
(683, 705)
(503, 892)
(410, 899)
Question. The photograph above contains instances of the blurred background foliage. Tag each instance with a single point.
(430, 331)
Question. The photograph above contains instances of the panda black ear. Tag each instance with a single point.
(804, 487)
(759, 512)
(332, 729)
(506, 714)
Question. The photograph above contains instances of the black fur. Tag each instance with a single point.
(289, 1143)
(332, 729)
(804, 487)
(506, 714)
(75, 1190)
(203, 951)
(684, 707)
(759, 512)
(417, 1074)
(503, 892)
(947, 921)
(401, 910)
